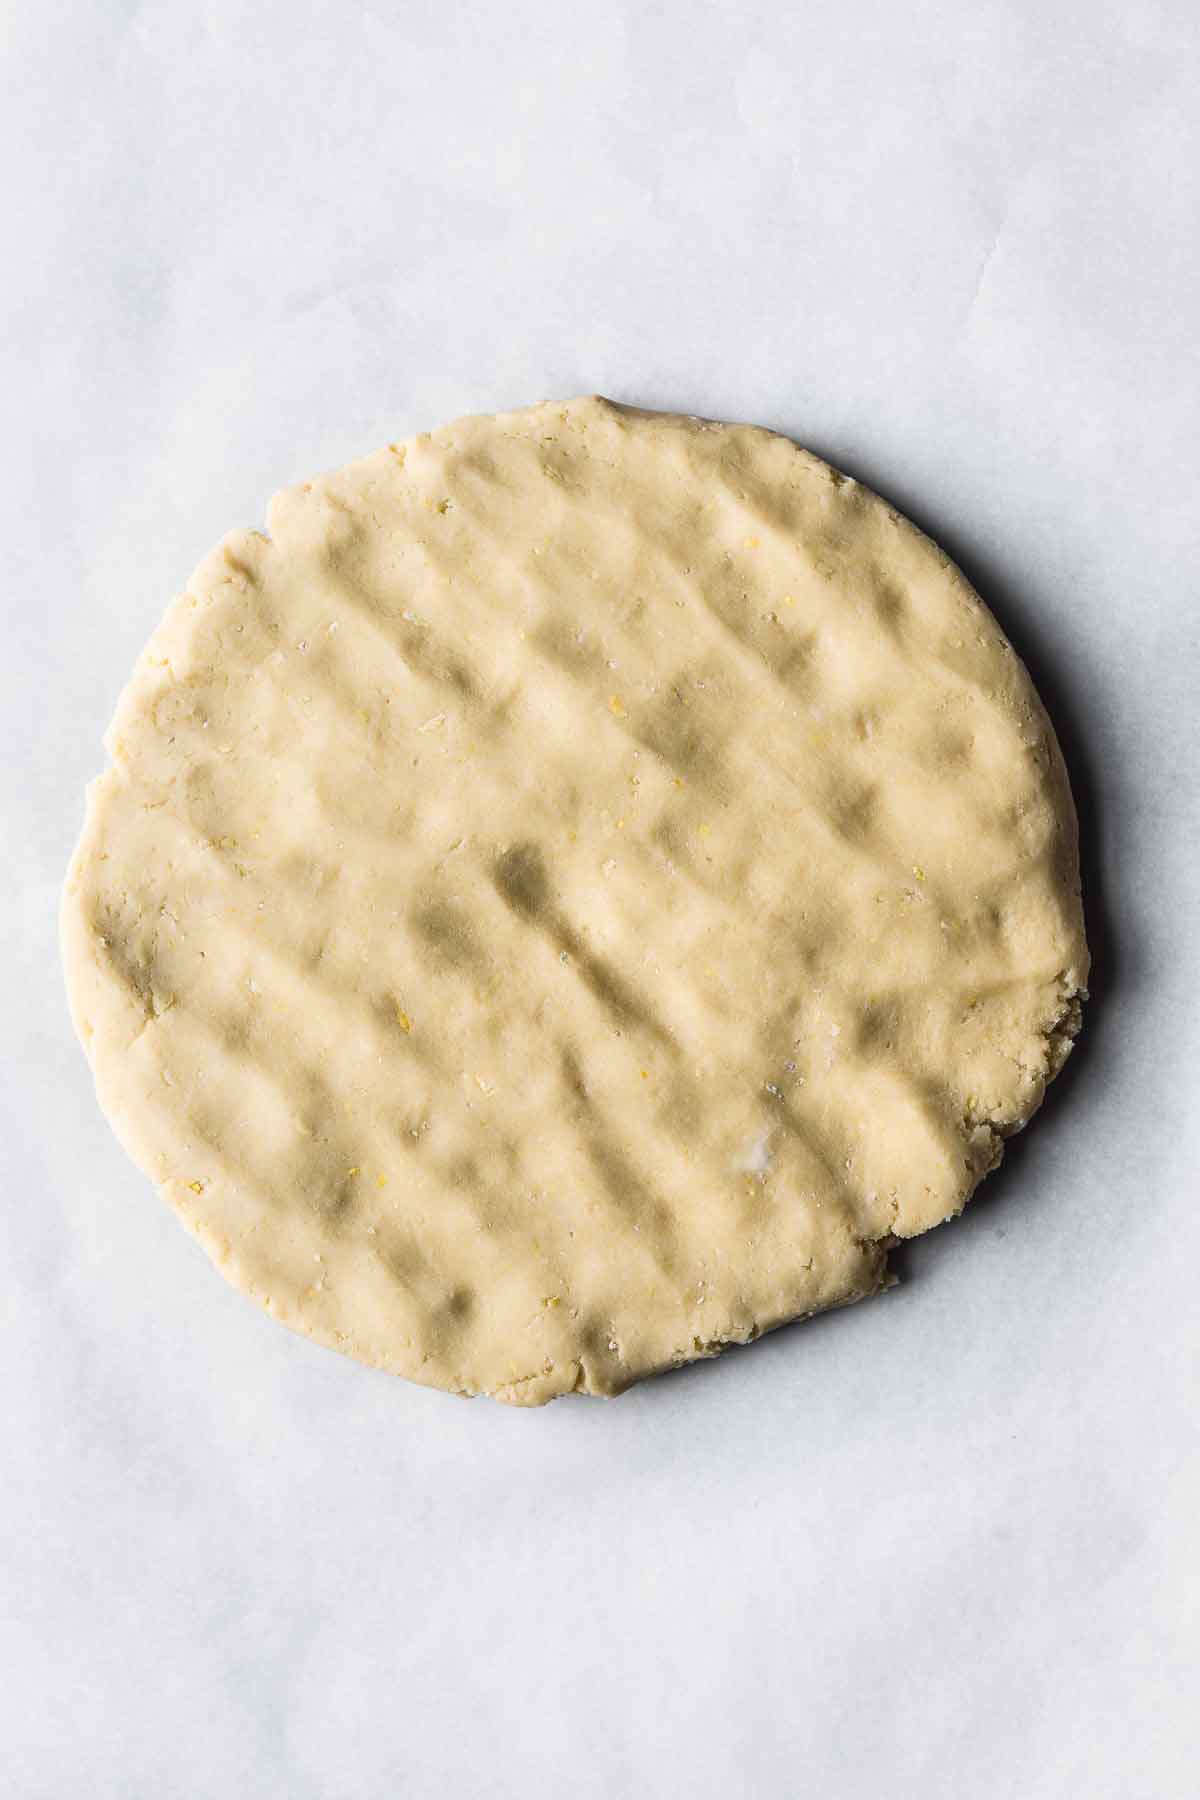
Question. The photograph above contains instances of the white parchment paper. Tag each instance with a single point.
(940, 1545)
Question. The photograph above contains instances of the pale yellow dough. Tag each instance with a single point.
(570, 897)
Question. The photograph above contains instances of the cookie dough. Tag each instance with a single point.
(570, 897)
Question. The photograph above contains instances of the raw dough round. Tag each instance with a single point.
(571, 897)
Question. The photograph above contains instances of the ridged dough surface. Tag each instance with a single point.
(570, 897)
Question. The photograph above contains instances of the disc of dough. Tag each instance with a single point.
(572, 896)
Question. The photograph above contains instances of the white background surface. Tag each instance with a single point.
(940, 1545)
